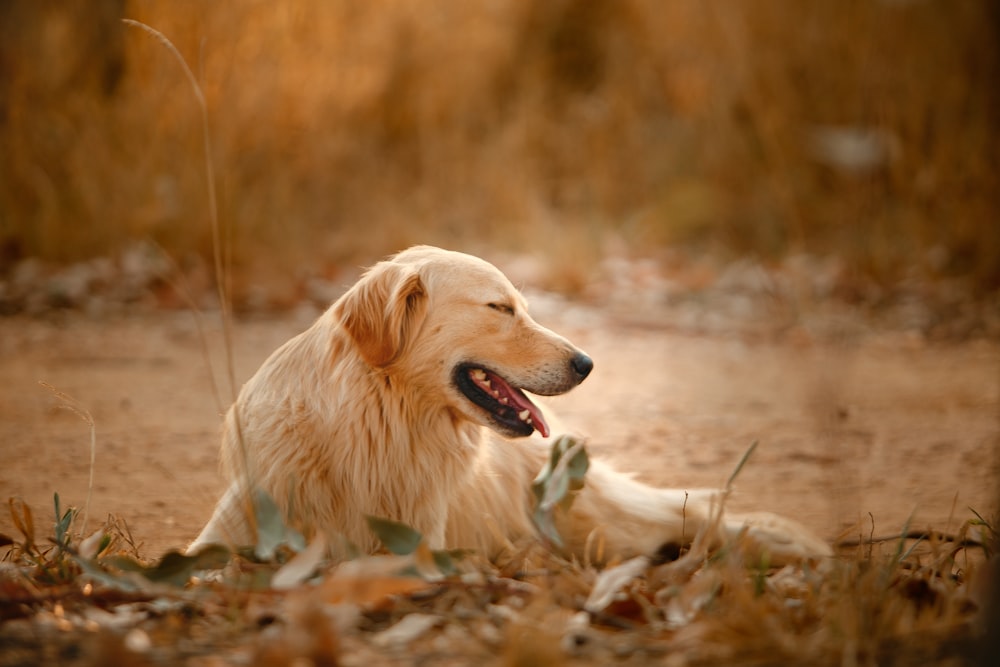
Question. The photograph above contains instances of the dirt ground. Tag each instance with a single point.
(884, 424)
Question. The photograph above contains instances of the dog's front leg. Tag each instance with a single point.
(228, 524)
(432, 520)
(434, 536)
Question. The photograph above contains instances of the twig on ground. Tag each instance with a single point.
(911, 535)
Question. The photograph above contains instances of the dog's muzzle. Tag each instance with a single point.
(509, 409)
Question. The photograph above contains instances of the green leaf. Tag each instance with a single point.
(445, 560)
(545, 523)
(62, 525)
(174, 568)
(579, 464)
(563, 473)
(112, 580)
(739, 466)
(397, 537)
(271, 529)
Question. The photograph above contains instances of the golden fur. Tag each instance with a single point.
(365, 414)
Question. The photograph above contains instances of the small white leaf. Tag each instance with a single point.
(408, 629)
(301, 566)
(611, 581)
(89, 547)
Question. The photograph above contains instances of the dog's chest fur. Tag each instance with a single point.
(386, 451)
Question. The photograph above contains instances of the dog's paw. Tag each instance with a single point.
(777, 539)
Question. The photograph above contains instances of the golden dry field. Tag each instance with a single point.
(767, 222)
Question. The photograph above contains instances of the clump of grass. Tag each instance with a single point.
(67, 402)
(52, 562)
(884, 604)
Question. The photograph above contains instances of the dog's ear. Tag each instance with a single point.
(383, 310)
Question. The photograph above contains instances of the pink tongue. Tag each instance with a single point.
(519, 402)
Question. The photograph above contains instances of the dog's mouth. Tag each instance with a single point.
(506, 404)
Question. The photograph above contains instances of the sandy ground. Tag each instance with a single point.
(882, 424)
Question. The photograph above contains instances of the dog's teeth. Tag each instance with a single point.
(524, 416)
(504, 400)
(479, 374)
(486, 383)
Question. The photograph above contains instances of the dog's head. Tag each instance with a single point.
(455, 330)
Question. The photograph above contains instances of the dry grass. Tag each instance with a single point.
(891, 604)
(343, 131)
(910, 599)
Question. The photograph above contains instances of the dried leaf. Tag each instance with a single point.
(682, 606)
(20, 514)
(369, 581)
(301, 566)
(436, 565)
(91, 546)
(406, 630)
(611, 581)
(424, 563)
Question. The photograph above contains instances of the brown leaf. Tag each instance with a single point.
(369, 581)
(20, 513)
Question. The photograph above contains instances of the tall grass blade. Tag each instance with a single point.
(739, 466)
(67, 402)
(217, 251)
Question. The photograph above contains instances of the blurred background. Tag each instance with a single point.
(860, 135)
(687, 172)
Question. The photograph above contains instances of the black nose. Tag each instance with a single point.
(582, 365)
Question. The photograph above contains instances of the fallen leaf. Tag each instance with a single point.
(301, 566)
(271, 529)
(90, 547)
(368, 581)
(563, 472)
(611, 581)
(405, 631)
(397, 537)
(174, 568)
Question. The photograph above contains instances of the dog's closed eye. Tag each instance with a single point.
(504, 308)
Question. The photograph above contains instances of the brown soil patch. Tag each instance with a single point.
(882, 424)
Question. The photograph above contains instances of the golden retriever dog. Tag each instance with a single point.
(408, 400)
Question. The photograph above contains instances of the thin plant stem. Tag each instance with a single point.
(217, 251)
(67, 402)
